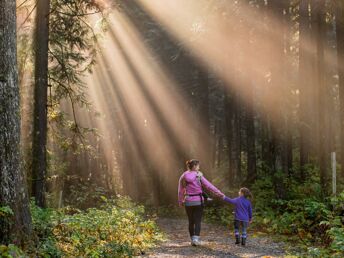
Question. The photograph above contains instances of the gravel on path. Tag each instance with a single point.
(217, 241)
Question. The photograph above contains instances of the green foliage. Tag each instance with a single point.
(316, 222)
(224, 215)
(335, 223)
(304, 216)
(11, 251)
(263, 190)
(44, 221)
(6, 217)
(86, 194)
(118, 229)
(170, 211)
(72, 48)
(6, 211)
(106, 232)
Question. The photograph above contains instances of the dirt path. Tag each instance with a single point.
(217, 241)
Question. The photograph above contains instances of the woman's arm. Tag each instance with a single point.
(211, 187)
(181, 189)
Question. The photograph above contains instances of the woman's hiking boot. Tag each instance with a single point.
(192, 240)
(243, 241)
(237, 240)
(195, 241)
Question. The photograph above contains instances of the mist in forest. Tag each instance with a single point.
(228, 83)
(103, 103)
(243, 86)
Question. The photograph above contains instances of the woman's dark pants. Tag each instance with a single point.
(195, 216)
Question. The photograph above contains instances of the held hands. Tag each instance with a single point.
(221, 196)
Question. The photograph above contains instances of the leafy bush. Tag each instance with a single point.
(117, 229)
(317, 224)
(223, 215)
(85, 194)
(11, 251)
(5, 211)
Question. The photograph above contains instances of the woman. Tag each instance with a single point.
(190, 192)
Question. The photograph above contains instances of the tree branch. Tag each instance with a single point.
(27, 16)
(22, 4)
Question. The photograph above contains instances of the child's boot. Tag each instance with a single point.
(243, 241)
(237, 240)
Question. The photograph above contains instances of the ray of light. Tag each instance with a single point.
(247, 51)
(240, 48)
(156, 84)
(152, 107)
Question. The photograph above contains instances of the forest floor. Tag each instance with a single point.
(217, 241)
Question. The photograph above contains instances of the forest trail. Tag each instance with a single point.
(217, 241)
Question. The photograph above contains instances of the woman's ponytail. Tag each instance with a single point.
(191, 163)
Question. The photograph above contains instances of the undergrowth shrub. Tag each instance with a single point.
(10, 251)
(85, 194)
(119, 228)
(317, 224)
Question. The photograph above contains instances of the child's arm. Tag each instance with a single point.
(229, 200)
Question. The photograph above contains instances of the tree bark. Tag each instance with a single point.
(340, 57)
(233, 118)
(277, 67)
(12, 187)
(39, 161)
(287, 141)
(304, 87)
(250, 137)
(204, 141)
(323, 99)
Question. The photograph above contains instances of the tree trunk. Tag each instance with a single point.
(250, 137)
(277, 67)
(323, 99)
(287, 141)
(264, 139)
(340, 56)
(12, 187)
(204, 136)
(39, 162)
(229, 126)
(233, 117)
(304, 87)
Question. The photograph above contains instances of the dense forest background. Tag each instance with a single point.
(115, 96)
(252, 89)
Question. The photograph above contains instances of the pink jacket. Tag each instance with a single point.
(188, 184)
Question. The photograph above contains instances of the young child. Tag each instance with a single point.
(243, 214)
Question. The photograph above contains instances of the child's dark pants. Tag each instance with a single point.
(244, 225)
(195, 217)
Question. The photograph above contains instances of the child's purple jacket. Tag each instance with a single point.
(188, 184)
(243, 208)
